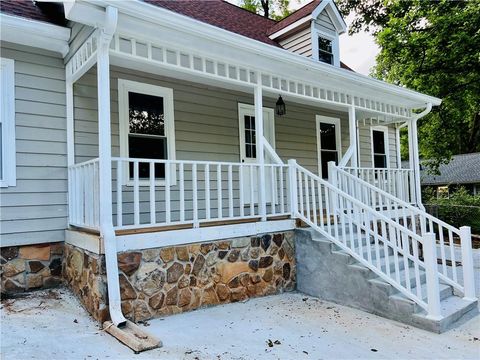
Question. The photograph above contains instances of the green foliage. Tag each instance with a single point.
(458, 209)
(273, 9)
(432, 47)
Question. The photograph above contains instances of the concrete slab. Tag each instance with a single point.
(53, 325)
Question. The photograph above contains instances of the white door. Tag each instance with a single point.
(248, 150)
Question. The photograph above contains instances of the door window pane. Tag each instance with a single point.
(146, 138)
(250, 140)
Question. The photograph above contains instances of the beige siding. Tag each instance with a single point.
(35, 210)
(324, 23)
(300, 42)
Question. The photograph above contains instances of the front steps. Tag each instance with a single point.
(327, 272)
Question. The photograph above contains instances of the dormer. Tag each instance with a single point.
(312, 31)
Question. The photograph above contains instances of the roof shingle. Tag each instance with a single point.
(46, 12)
(462, 169)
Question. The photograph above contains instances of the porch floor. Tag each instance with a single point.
(52, 324)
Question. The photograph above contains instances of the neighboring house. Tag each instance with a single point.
(462, 170)
(194, 138)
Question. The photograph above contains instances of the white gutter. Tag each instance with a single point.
(158, 15)
(39, 34)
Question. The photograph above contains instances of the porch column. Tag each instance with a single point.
(352, 125)
(70, 123)
(260, 151)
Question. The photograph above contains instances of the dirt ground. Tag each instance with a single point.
(53, 325)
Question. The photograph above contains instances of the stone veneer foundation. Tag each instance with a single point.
(169, 280)
(30, 267)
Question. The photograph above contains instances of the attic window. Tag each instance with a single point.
(325, 50)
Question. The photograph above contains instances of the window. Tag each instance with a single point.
(146, 125)
(7, 124)
(328, 143)
(325, 47)
(325, 50)
(380, 147)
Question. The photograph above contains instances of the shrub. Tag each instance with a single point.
(458, 209)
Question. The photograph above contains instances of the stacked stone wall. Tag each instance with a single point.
(30, 267)
(169, 280)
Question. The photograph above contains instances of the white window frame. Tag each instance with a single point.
(383, 129)
(316, 33)
(7, 118)
(126, 86)
(338, 138)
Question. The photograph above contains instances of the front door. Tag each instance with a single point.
(248, 150)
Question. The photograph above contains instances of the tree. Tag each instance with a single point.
(432, 47)
(273, 9)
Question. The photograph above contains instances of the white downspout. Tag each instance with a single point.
(105, 165)
(397, 135)
(415, 155)
(352, 151)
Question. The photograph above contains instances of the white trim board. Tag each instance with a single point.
(8, 175)
(34, 33)
(126, 86)
(338, 139)
(316, 33)
(185, 236)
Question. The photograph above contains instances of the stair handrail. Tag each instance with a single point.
(432, 306)
(426, 219)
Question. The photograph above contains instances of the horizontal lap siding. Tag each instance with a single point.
(299, 42)
(35, 210)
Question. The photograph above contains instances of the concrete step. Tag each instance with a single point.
(454, 310)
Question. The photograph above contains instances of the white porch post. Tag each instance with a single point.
(352, 125)
(70, 142)
(260, 151)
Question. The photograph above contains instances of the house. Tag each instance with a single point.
(462, 170)
(160, 156)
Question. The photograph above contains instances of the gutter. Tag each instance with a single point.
(158, 15)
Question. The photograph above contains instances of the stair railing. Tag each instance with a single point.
(373, 239)
(450, 256)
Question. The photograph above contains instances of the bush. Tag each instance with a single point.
(458, 209)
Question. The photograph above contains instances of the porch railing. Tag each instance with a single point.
(453, 246)
(398, 182)
(83, 185)
(150, 193)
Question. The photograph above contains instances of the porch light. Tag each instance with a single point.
(280, 107)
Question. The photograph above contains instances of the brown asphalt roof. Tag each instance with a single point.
(46, 12)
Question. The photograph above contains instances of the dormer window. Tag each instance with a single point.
(325, 50)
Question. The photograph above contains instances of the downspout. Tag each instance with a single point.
(107, 232)
(397, 135)
(416, 159)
